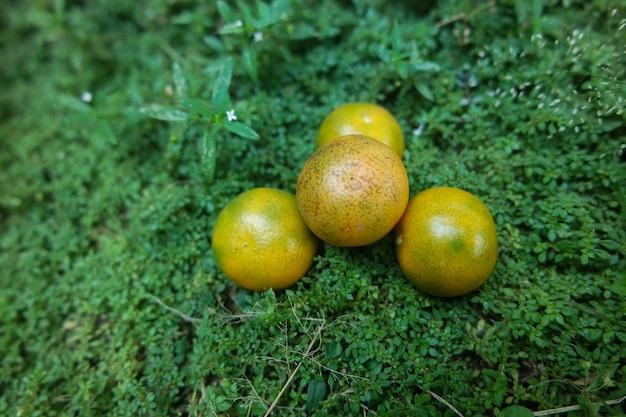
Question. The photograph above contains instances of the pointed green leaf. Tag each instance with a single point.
(74, 104)
(180, 83)
(219, 95)
(424, 89)
(244, 8)
(234, 24)
(402, 68)
(208, 154)
(105, 132)
(425, 66)
(232, 28)
(268, 15)
(415, 54)
(59, 7)
(249, 58)
(396, 38)
(225, 11)
(168, 114)
(214, 43)
(265, 14)
(240, 129)
(198, 107)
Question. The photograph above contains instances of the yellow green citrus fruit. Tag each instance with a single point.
(362, 119)
(260, 240)
(352, 191)
(446, 242)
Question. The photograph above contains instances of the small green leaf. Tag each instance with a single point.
(315, 393)
(208, 154)
(619, 286)
(10, 202)
(258, 408)
(223, 404)
(565, 246)
(542, 257)
(168, 114)
(240, 129)
(333, 349)
(219, 95)
(584, 259)
(516, 411)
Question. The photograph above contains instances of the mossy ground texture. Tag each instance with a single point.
(127, 126)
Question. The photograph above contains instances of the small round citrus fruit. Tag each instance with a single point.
(362, 119)
(352, 191)
(260, 240)
(446, 242)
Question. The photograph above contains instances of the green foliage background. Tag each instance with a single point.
(116, 160)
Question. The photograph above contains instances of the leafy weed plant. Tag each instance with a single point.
(124, 135)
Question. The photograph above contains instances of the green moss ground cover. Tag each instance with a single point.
(119, 148)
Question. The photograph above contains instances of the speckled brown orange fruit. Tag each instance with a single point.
(352, 191)
(446, 242)
(367, 119)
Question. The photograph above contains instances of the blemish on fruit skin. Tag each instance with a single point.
(457, 245)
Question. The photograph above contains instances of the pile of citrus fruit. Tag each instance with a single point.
(352, 191)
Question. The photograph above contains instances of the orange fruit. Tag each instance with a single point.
(362, 119)
(260, 240)
(446, 242)
(352, 191)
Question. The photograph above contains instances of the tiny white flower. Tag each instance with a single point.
(238, 23)
(230, 115)
(419, 130)
(258, 36)
(86, 96)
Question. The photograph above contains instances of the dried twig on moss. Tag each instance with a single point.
(180, 314)
(295, 371)
(444, 402)
(577, 407)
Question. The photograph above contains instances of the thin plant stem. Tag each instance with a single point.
(295, 371)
